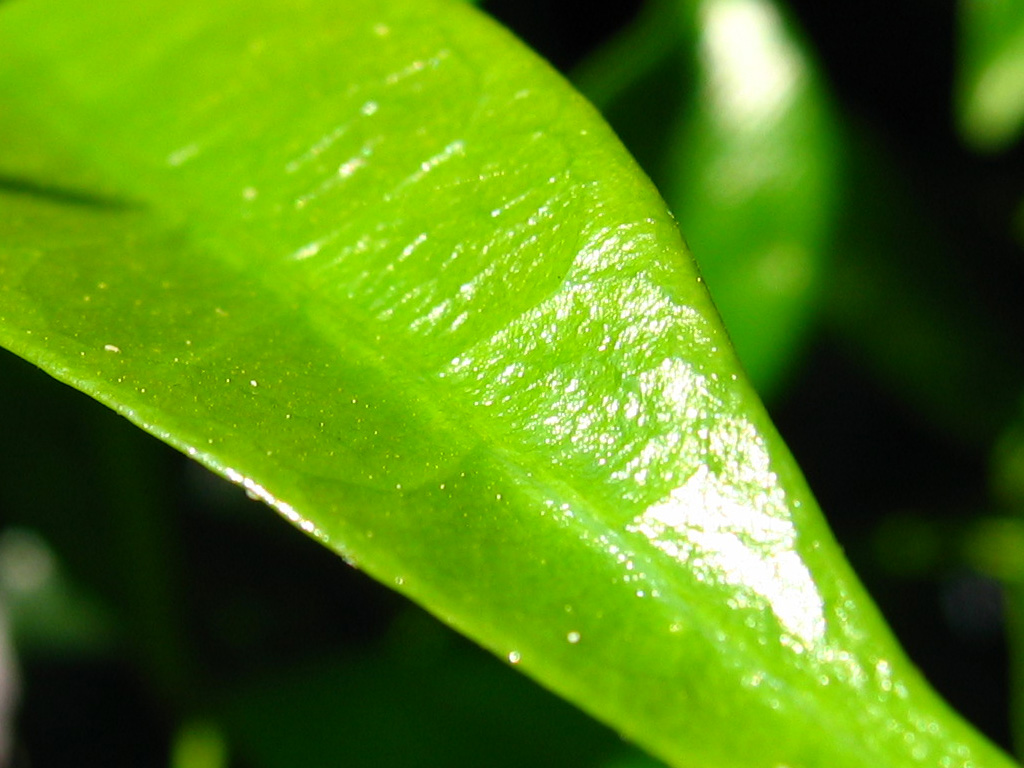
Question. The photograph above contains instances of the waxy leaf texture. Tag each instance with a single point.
(379, 265)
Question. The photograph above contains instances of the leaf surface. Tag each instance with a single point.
(384, 269)
(990, 87)
(727, 113)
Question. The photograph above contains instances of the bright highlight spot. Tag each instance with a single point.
(709, 524)
(753, 73)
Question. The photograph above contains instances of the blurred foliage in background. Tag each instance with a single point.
(850, 176)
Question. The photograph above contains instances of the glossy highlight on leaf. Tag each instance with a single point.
(746, 155)
(385, 270)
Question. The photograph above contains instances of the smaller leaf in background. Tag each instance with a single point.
(199, 744)
(46, 612)
(900, 300)
(990, 88)
(740, 140)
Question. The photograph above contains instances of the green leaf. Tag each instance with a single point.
(990, 77)
(727, 113)
(899, 297)
(385, 270)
